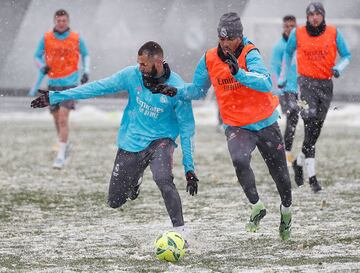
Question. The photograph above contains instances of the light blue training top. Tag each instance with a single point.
(277, 66)
(147, 116)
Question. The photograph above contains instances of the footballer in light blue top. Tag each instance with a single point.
(277, 66)
(72, 79)
(147, 116)
(257, 77)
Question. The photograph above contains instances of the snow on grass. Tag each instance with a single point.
(58, 221)
(205, 114)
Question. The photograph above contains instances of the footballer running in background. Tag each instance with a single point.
(57, 56)
(316, 45)
(288, 94)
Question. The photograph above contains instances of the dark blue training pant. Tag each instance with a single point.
(129, 168)
(242, 143)
(318, 95)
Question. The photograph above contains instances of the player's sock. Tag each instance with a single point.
(59, 161)
(181, 229)
(62, 150)
(55, 147)
(257, 213)
(310, 166)
(300, 159)
(184, 232)
(68, 149)
(285, 222)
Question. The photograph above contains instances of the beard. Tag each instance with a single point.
(315, 31)
(151, 74)
(150, 80)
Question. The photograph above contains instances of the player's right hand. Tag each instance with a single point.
(192, 185)
(41, 101)
(232, 63)
(45, 69)
(165, 89)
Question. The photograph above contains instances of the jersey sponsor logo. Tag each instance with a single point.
(229, 80)
(316, 55)
(229, 83)
(149, 110)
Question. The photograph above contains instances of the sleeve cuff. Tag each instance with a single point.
(51, 97)
(240, 74)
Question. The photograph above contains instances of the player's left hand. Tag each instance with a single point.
(233, 63)
(192, 185)
(41, 101)
(336, 73)
(84, 78)
(165, 89)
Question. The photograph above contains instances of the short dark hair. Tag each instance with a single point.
(289, 18)
(61, 12)
(151, 49)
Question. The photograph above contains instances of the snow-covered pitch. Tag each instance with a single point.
(58, 221)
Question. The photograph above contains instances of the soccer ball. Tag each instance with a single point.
(170, 246)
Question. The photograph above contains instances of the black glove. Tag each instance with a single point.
(84, 78)
(192, 185)
(233, 63)
(281, 84)
(165, 89)
(45, 69)
(336, 73)
(41, 101)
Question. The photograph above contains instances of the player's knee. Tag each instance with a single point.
(241, 162)
(163, 178)
(308, 150)
(292, 113)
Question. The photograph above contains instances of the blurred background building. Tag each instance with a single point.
(114, 30)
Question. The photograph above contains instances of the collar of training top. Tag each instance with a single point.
(152, 82)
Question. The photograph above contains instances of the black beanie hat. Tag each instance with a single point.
(230, 26)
